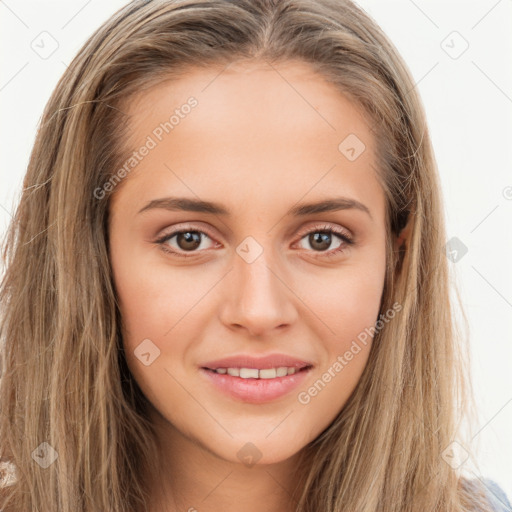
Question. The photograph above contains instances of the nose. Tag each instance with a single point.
(259, 298)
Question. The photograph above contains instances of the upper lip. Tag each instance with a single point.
(262, 362)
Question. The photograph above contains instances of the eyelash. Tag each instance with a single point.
(322, 229)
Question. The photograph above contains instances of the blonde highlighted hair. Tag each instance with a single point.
(64, 377)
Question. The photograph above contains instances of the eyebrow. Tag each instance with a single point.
(196, 205)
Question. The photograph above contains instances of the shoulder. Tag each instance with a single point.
(494, 493)
(497, 497)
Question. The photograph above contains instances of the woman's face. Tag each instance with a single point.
(237, 160)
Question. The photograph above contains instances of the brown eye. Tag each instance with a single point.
(188, 240)
(320, 240)
(184, 241)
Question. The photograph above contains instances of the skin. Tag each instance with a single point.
(261, 139)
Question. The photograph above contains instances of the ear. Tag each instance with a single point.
(403, 235)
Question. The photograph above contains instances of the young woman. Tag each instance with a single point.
(226, 286)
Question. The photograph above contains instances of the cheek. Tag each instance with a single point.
(153, 302)
(152, 297)
(357, 306)
(351, 319)
(348, 303)
(164, 316)
(347, 299)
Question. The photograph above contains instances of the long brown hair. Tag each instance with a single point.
(64, 378)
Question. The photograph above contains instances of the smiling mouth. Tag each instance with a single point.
(255, 373)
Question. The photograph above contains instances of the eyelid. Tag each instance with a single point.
(327, 227)
(337, 230)
(302, 232)
(185, 226)
(181, 228)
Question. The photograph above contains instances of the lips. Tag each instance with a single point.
(259, 363)
(256, 380)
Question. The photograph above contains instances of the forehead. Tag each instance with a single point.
(252, 94)
(280, 131)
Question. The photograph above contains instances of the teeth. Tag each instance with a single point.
(248, 373)
(282, 371)
(268, 373)
(254, 373)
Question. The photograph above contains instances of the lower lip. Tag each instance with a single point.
(256, 391)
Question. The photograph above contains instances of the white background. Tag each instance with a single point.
(468, 100)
